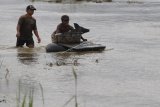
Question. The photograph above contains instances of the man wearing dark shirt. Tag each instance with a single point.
(27, 24)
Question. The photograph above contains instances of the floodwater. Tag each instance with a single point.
(126, 74)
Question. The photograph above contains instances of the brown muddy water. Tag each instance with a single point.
(126, 74)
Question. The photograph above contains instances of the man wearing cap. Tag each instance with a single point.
(27, 24)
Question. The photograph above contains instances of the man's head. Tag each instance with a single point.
(65, 19)
(30, 9)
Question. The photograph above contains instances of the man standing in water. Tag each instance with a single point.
(27, 24)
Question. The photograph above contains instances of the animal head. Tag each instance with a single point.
(80, 28)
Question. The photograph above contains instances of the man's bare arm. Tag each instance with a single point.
(37, 35)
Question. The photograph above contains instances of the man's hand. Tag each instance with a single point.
(18, 35)
(39, 40)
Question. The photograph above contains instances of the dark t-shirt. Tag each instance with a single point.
(27, 25)
(61, 28)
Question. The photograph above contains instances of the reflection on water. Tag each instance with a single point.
(27, 56)
(71, 58)
(67, 58)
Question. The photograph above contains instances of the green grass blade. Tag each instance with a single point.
(42, 93)
(24, 101)
(31, 98)
(74, 73)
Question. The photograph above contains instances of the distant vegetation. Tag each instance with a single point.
(60, 1)
(132, 1)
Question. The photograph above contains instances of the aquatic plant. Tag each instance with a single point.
(1, 63)
(30, 103)
(28, 96)
(74, 74)
(7, 73)
(75, 94)
(42, 92)
(68, 101)
(31, 98)
(75, 77)
(24, 101)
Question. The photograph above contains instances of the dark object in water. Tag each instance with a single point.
(70, 41)
(84, 46)
(52, 47)
(70, 37)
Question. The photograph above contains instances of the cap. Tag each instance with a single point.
(30, 7)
